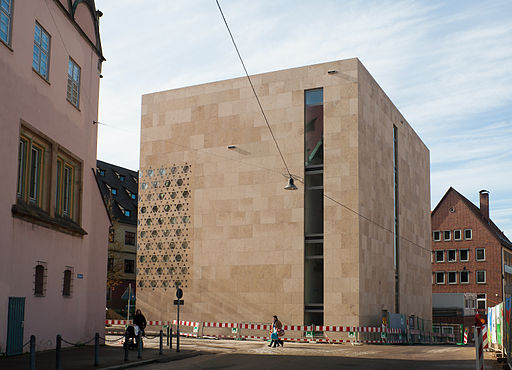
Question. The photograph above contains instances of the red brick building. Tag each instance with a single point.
(470, 254)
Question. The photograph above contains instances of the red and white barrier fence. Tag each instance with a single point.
(199, 327)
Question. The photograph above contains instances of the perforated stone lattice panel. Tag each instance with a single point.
(164, 226)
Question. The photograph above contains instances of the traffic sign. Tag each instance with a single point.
(179, 293)
(181, 302)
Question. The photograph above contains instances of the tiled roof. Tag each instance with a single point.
(110, 177)
(485, 221)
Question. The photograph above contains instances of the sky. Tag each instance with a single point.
(446, 65)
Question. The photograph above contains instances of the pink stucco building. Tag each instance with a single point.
(53, 225)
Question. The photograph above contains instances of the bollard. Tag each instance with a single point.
(126, 345)
(167, 335)
(139, 345)
(161, 342)
(58, 365)
(479, 348)
(32, 352)
(170, 337)
(96, 349)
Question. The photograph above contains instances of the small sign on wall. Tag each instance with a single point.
(79, 276)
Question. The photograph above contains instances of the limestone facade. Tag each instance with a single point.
(244, 234)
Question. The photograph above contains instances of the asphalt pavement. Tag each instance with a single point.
(231, 354)
(82, 358)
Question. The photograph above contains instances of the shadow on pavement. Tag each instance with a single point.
(82, 358)
(268, 362)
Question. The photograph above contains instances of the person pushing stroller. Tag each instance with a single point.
(275, 332)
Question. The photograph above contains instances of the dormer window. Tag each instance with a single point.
(125, 211)
(119, 176)
(130, 194)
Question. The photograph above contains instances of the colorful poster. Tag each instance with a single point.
(490, 326)
(507, 327)
(499, 321)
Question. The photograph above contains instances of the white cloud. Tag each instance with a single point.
(446, 65)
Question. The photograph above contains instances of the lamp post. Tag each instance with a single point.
(179, 295)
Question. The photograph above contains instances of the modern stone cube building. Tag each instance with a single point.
(352, 241)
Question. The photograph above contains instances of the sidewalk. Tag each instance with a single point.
(82, 358)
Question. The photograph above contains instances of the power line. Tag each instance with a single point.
(191, 149)
(274, 171)
(275, 141)
(375, 223)
(253, 90)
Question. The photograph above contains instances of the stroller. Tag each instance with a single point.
(133, 331)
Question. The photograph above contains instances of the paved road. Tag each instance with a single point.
(256, 355)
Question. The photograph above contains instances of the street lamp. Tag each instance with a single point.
(290, 185)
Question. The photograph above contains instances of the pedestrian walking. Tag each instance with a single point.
(276, 332)
(139, 322)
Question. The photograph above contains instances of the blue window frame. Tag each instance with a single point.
(41, 54)
(5, 20)
(73, 93)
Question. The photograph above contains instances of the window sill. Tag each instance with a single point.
(39, 217)
(74, 106)
(7, 45)
(41, 76)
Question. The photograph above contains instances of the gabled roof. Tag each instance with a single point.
(111, 179)
(70, 6)
(487, 222)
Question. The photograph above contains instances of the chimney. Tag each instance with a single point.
(484, 203)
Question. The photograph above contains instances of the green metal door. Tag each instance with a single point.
(15, 319)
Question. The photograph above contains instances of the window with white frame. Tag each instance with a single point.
(448, 330)
(439, 277)
(481, 301)
(480, 254)
(447, 235)
(452, 277)
(41, 52)
(457, 234)
(439, 256)
(436, 236)
(464, 277)
(468, 234)
(73, 91)
(5, 21)
(464, 255)
(480, 277)
(470, 302)
(451, 255)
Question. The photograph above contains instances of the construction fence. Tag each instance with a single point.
(410, 331)
(499, 330)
